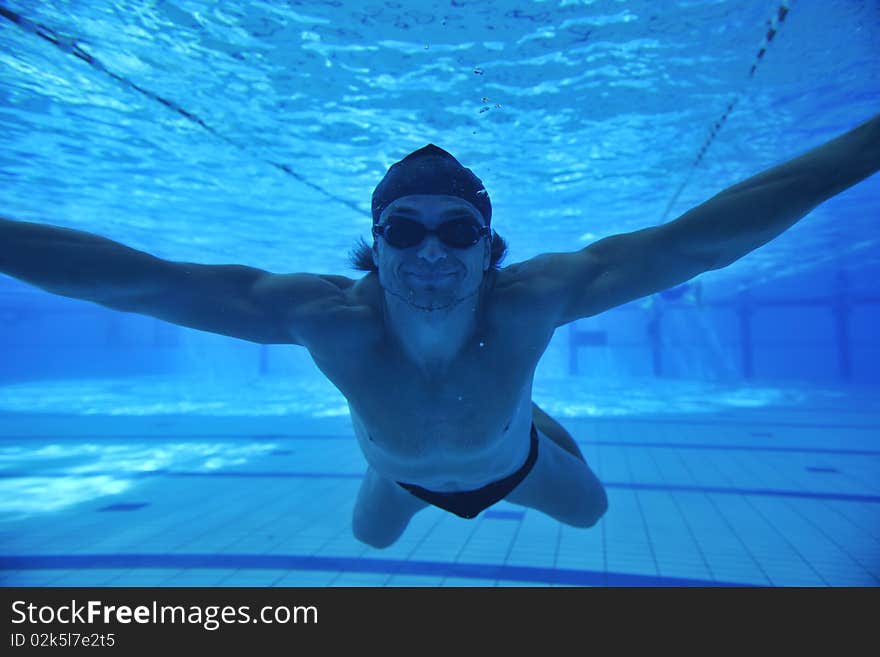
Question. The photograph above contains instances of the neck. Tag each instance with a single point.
(431, 338)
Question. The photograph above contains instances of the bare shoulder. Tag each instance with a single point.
(304, 288)
(543, 283)
(545, 272)
(320, 310)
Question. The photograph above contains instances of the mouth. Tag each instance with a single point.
(431, 275)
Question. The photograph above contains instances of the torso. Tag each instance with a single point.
(458, 430)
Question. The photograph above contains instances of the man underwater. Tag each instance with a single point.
(436, 347)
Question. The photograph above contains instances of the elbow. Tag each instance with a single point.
(725, 257)
(720, 262)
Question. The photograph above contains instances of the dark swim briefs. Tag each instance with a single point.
(469, 503)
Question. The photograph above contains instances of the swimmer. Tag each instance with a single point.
(435, 347)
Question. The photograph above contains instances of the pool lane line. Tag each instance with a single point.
(565, 576)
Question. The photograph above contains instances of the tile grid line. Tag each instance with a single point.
(424, 538)
(773, 528)
(645, 527)
(795, 511)
(684, 518)
(710, 499)
(712, 464)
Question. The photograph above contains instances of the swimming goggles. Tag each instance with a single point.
(404, 233)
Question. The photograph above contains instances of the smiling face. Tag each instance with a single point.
(431, 275)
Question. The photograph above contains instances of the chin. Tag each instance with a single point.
(433, 301)
(429, 296)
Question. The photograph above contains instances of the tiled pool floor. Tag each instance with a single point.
(754, 497)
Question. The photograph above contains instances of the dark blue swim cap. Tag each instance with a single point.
(431, 170)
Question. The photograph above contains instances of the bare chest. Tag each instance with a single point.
(465, 417)
(456, 424)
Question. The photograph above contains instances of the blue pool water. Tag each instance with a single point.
(733, 420)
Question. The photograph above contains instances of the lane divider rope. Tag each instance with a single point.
(772, 29)
(70, 46)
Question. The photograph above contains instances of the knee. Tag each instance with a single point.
(372, 533)
(590, 513)
(380, 542)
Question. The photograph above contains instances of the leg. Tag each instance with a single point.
(382, 510)
(555, 432)
(562, 486)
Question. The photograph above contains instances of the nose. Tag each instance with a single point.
(431, 249)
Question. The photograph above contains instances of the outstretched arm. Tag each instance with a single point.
(625, 267)
(242, 302)
(753, 212)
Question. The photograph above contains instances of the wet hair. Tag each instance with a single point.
(429, 170)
